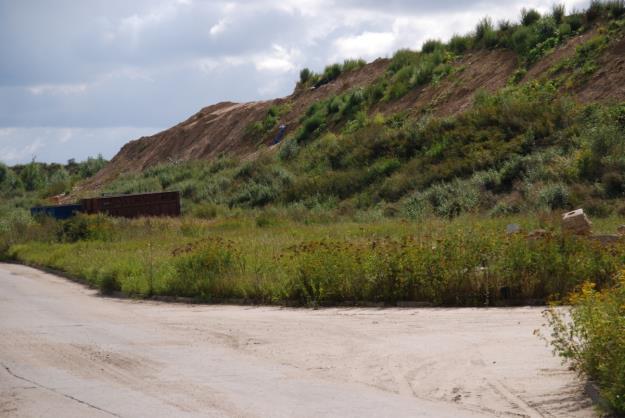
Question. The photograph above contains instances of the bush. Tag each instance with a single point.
(575, 21)
(594, 11)
(33, 177)
(614, 184)
(485, 34)
(558, 12)
(91, 166)
(431, 45)
(616, 8)
(546, 28)
(109, 284)
(555, 196)
(305, 75)
(330, 73)
(529, 16)
(86, 228)
(593, 342)
(504, 25)
(353, 64)
(206, 211)
(205, 271)
(523, 39)
(9, 181)
(459, 44)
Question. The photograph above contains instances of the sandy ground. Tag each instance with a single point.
(64, 351)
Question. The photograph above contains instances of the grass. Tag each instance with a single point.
(464, 262)
(363, 207)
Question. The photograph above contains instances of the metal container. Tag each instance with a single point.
(57, 211)
(135, 205)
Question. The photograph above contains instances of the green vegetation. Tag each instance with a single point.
(269, 258)
(362, 204)
(593, 341)
(23, 186)
(259, 130)
(308, 78)
(527, 148)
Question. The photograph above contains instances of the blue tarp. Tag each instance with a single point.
(280, 134)
(56, 212)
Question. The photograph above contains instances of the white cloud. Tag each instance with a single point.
(218, 27)
(64, 89)
(279, 59)
(20, 145)
(65, 135)
(154, 62)
(14, 155)
(366, 45)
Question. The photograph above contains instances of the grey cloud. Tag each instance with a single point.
(105, 64)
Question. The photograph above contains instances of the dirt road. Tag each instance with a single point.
(64, 351)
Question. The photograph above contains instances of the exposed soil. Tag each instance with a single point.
(562, 52)
(608, 83)
(64, 351)
(221, 128)
(483, 70)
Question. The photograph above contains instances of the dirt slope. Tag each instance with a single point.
(608, 83)
(220, 128)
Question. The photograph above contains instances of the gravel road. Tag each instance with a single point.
(64, 351)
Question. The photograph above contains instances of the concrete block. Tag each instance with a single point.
(576, 222)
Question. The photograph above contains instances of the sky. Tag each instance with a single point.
(83, 77)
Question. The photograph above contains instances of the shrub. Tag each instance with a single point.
(555, 196)
(205, 211)
(593, 341)
(254, 194)
(613, 184)
(565, 29)
(305, 75)
(401, 59)
(91, 166)
(9, 181)
(616, 8)
(523, 40)
(86, 228)
(504, 25)
(431, 45)
(330, 73)
(558, 12)
(206, 271)
(529, 16)
(32, 176)
(459, 44)
(59, 182)
(109, 284)
(594, 11)
(353, 64)
(546, 28)
(575, 21)
(485, 33)
(447, 200)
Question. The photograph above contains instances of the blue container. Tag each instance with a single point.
(56, 212)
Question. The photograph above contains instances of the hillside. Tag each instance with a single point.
(222, 128)
(517, 117)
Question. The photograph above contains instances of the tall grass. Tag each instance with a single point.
(469, 261)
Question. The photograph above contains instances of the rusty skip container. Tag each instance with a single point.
(135, 205)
